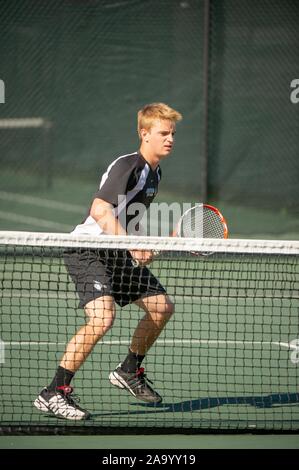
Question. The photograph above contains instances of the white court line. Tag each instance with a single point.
(174, 342)
(34, 221)
(72, 295)
(40, 202)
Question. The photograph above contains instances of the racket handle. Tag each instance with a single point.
(136, 263)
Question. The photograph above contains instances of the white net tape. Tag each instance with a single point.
(158, 244)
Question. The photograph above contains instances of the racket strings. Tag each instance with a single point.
(212, 225)
(202, 222)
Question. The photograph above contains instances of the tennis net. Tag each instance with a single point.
(228, 358)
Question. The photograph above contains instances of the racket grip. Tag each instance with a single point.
(136, 263)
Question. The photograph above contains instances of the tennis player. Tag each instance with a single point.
(103, 277)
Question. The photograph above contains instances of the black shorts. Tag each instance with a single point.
(109, 272)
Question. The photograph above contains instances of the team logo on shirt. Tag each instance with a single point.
(98, 285)
(150, 192)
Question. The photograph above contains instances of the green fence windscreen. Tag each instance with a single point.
(86, 67)
(254, 126)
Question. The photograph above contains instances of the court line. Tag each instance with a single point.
(70, 295)
(41, 223)
(174, 342)
(40, 202)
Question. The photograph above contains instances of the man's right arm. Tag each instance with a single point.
(102, 212)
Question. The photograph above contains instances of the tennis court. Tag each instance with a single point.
(220, 338)
(228, 360)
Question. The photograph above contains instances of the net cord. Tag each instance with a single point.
(159, 244)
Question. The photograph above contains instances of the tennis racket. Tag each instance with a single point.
(200, 221)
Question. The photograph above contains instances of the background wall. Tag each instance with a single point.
(88, 66)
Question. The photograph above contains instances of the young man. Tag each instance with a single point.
(103, 277)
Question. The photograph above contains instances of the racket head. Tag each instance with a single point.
(202, 221)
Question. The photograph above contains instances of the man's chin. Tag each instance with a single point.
(165, 153)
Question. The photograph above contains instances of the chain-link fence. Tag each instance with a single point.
(254, 126)
(86, 67)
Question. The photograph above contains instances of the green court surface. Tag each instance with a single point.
(247, 441)
(223, 362)
(237, 348)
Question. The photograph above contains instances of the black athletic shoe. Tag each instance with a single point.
(135, 383)
(61, 403)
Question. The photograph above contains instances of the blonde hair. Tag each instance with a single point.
(155, 111)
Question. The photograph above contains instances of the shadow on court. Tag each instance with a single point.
(268, 401)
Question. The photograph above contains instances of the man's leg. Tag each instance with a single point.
(129, 375)
(100, 313)
(159, 310)
(56, 397)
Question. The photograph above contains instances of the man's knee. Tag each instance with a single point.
(169, 308)
(101, 325)
(158, 305)
(100, 315)
(165, 307)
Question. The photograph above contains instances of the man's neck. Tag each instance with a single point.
(152, 160)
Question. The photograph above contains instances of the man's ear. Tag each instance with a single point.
(143, 134)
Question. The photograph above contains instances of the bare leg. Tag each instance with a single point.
(159, 309)
(129, 375)
(100, 313)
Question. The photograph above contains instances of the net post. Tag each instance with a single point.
(205, 143)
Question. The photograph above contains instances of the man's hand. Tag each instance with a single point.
(143, 257)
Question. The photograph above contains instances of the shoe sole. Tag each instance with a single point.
(119, 382)
(42, 405)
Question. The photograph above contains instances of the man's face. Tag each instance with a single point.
(160, 138)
